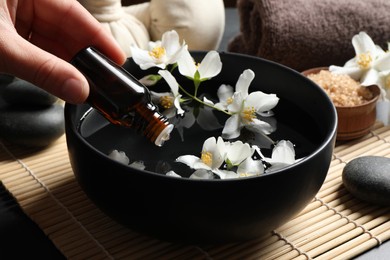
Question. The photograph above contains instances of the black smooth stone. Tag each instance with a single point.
(32, 126)
(368, 178)
(21, 92)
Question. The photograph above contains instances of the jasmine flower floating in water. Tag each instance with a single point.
(209, 67)
(240, 110)
(212, 155)
(367, 65)
(244, 107)
(283, 155)
(229, 160)
(170, 101)
(121, 157)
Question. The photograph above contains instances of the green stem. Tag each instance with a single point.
(200, 101)
(196, 84)
(174, 66)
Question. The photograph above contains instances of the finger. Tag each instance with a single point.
(68, 24)
(43, 69)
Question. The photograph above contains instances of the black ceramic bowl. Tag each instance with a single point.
(210, 211)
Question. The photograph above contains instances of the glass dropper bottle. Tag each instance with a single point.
(120, 97)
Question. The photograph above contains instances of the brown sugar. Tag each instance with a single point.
(342, 89)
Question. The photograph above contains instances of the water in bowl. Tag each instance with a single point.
(291, 123)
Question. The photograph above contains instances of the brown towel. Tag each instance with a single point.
(303, 34)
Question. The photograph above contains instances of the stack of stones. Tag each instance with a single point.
(29, 116)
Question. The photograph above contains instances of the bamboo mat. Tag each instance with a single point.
(333, 226)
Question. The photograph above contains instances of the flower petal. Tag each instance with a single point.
(140, 165)
(173, 174)
(371, 77)
(382, 63)
(261, 102)
(210, 66)
(170, 79)
(354, 72)
(186, 65)
(189, 160)
(232, 127)
(202, 174)
(250, 167)
(363, 43)
(244, 82)
(224, 93)
(119, 156)
(224, 174)
(236, 105)
(238, 152)
(143, 59)
(283, 152)
(259, 126)
(180, 111)
(219, 154)
(171, 42)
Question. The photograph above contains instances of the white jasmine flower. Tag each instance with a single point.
(283, 155)
(212, 155)
(173, 174)
(245, 107)
(237, 152)
(225, 95)
(244, 113)
(159, 53)
(166, 100)
(283, 152)
(225, 92)
(370, 59)
(250, 167)
(246, 168)
(140, 165)
(119, 156)
(170, 101)
(209, 67)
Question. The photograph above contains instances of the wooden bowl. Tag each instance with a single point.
(353, 121)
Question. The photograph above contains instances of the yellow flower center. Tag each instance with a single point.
(166, 102)
(207, 158)
(244, 174)
(157, 52)
(249, 114)
(387, 82)
(229, 100)
(364, 60)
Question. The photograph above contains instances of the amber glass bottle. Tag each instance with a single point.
(120, 97)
